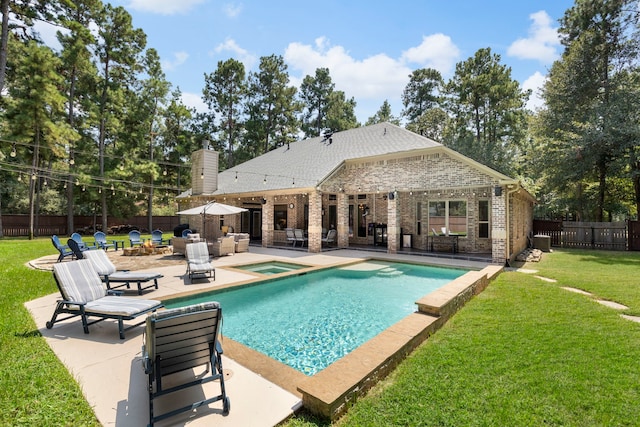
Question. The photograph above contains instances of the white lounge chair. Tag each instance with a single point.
(110, 274)
(198, 261)
(84, 295)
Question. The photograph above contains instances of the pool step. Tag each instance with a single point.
(389, 271)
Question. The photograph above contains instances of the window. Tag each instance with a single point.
(279, 217)
(450, 215)
(483, 219)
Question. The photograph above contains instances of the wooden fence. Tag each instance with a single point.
(617, 236)
(18, 225)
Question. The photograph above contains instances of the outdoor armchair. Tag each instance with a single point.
(84, 295)
(63, 250)
(299, 234)
(102, 242)
(331, 237)
(178, 340)
(134, 238)
(156, 238)
(223, 246)
(81, 243)
(110, 275)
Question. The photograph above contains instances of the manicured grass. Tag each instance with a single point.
(525, 352)
(35, 388)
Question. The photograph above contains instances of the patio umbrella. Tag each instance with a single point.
(213, 208)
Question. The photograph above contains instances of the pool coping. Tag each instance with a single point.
(330, 392)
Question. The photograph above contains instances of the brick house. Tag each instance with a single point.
(376, 185)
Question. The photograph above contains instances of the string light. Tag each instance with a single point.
(13, 150)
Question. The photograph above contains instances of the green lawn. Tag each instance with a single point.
(523, 353)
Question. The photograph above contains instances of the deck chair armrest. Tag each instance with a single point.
(69, 302)
(146, 361)
(218, 347)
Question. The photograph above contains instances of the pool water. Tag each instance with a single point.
(272, 267)
(309, 321)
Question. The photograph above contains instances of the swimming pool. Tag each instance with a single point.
(271, 267)
(308, 321)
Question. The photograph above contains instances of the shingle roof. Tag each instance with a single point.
(305, 163)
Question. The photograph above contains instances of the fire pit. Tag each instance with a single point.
(147, 248)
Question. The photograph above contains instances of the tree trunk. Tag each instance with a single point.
(4, 42)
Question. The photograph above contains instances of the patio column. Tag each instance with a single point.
(343, 221)
(315, 222)
(393, 227)
(267, 222)
(498, 226)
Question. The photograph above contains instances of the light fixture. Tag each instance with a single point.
(13, 150)
(291, 206)
(71, 160)
(77, 181)
(20, 177)
(34, 176)
(164, 172)
(264, 181)
(99, 190)
(202, 174)
(236, 180)
(293, 183)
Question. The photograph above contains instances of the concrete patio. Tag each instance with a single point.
(110, 372)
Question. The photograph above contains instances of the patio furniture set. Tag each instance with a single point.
(175, 340)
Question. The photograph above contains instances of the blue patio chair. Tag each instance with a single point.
(101, 241)
(83, 246)
(64, 250)
(185, 233)
(179, 340)
(134, 238)
(156, 238)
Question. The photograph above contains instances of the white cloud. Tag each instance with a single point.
(47, 33)
(194, 100)
(243, 55)
(436, 51)
(375, 77)
(164, 7)
(535, 83)
(542, 42)
(179, 58)
(232, 9)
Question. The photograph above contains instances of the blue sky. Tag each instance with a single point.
(370, 47)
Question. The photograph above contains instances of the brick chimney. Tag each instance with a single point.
(204, 171)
